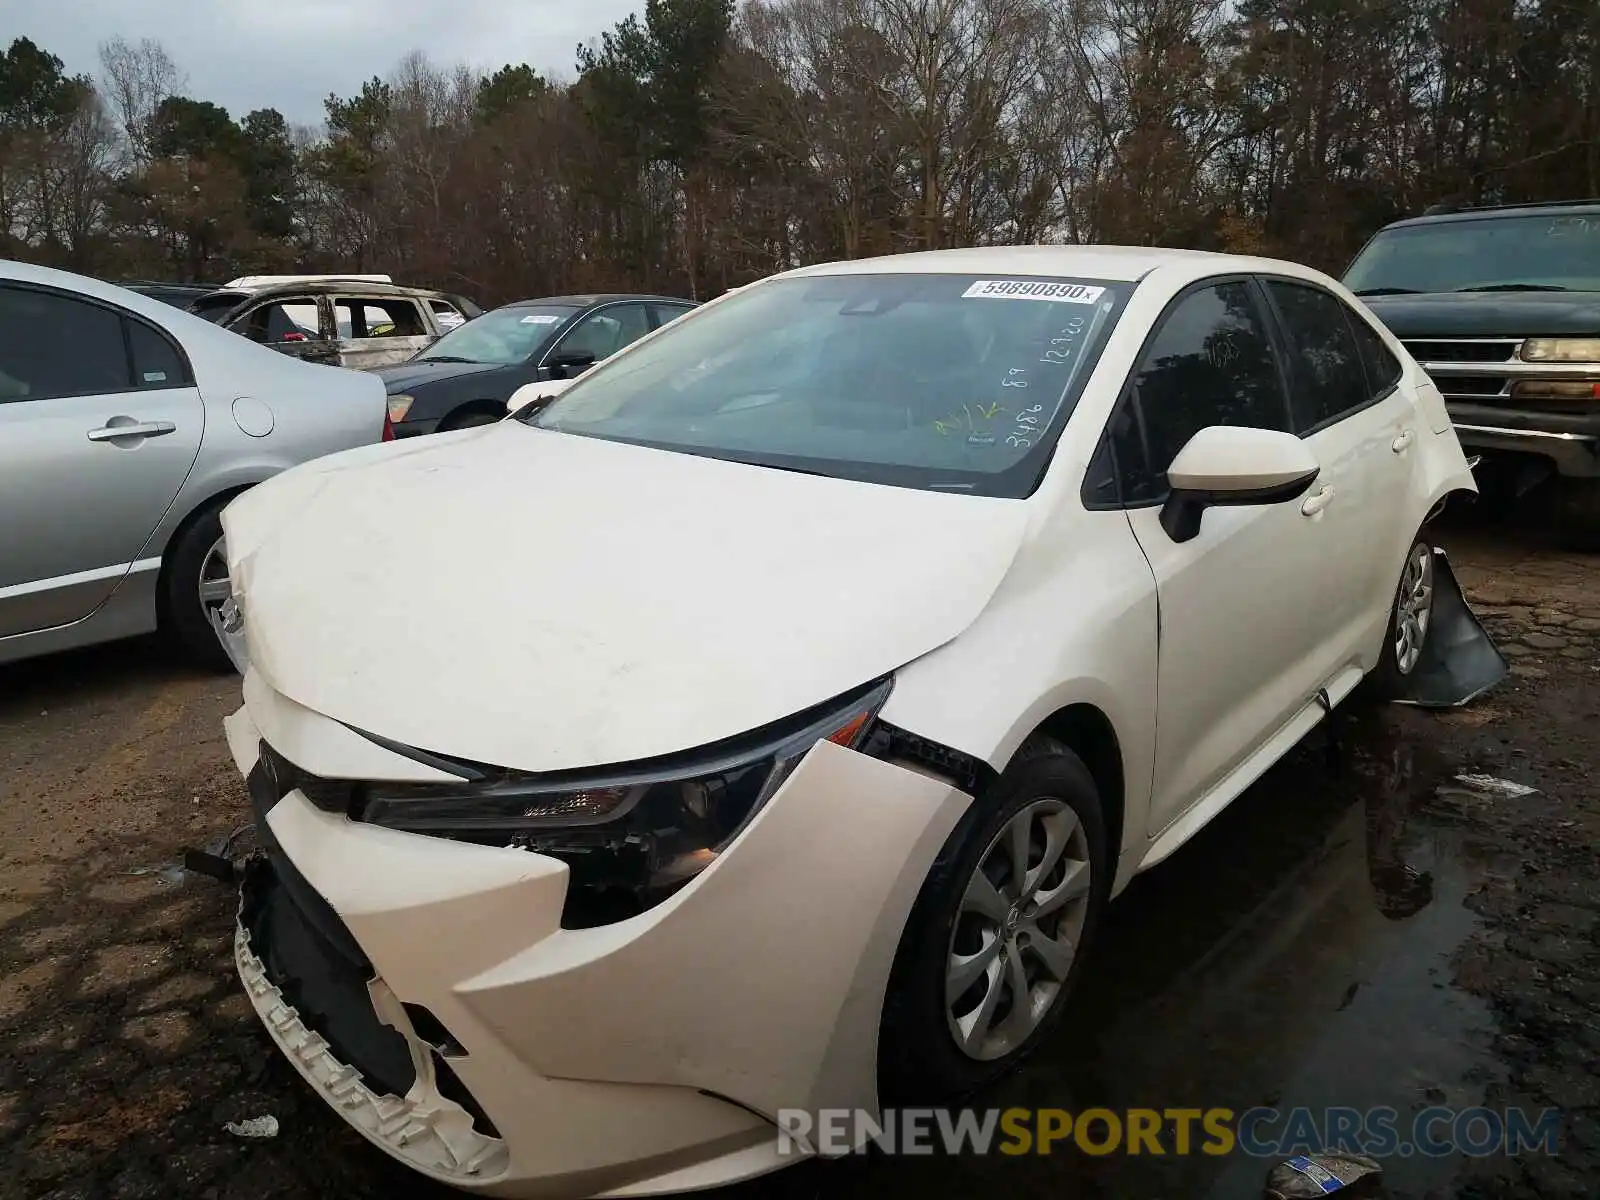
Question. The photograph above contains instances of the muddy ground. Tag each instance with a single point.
(1357, 936)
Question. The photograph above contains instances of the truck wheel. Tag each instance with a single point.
(1578, 513)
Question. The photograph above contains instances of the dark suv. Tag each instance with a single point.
(1501, 306)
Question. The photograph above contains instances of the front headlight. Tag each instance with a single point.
(399, 406)
(1561, 350)
(630, 836)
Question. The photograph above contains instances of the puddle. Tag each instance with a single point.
(1297, 952)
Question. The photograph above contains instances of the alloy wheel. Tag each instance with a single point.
(1413, 609)
(1017, 931)
(215, 587)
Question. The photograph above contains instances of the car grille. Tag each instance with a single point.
(1486, 350)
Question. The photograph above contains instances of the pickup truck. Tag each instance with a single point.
(1501, 307)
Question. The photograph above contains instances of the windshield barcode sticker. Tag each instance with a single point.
(540, 319)
(1032, 289)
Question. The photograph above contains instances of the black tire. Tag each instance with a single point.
(918, 1058)
(1578, 513)
(468, 419)
(1390, 677)
(183, 618)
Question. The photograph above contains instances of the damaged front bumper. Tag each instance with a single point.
(427, 989)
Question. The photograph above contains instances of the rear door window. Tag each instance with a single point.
(360, 317)
(1327, 377)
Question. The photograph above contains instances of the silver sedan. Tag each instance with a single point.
(126, 426)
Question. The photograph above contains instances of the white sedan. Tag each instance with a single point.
(839, 651)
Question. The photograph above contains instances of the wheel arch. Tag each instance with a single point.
(492, 408)
(183, 525)
(1088, 732)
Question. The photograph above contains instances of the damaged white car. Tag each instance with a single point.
(840, 650)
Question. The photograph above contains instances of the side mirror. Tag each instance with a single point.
(534, 396)
(1228, 465)
(565, 366)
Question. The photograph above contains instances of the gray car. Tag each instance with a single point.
(126, 426)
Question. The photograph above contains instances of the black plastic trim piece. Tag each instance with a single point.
(972, 775)
(1180, 515)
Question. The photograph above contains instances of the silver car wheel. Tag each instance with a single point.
(215, 586)
(1017, 931)
(1413, 612)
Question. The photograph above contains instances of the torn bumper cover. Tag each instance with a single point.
(428, 991)
(1459, 662)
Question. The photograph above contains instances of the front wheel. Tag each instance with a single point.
(987, 958)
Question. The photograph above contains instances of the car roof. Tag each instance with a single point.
(590, 300)
(87, 285)
(305, 287)
(1117, 263)
(1563, 208)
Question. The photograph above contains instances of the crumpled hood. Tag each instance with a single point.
(403, 376)
(544, 601)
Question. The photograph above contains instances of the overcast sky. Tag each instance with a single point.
(289, 54)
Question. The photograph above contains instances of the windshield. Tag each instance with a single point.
(1532, 252)
(930, 381)
(502, 337)
(213, 308)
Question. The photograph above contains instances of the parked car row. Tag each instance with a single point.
(761, 716)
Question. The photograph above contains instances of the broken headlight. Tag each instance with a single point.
(632, 835)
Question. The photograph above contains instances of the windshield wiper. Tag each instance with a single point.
(1515, 287)
(448, 358)
(1388, 291)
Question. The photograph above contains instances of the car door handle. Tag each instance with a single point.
(1315, 504)
(1402, 443)
(138, 429)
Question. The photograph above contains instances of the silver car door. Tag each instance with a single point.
(100, 422)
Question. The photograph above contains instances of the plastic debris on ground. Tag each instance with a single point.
(255, 1127)
(1459, 662)
(1308, 1175)
(1468, 786)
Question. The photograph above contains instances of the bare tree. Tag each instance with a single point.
(136, 78)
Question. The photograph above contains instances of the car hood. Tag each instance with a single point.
(1489, 314)
(403, 376)
(543, 601)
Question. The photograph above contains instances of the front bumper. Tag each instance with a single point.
(1570, 440)
(646, 1056)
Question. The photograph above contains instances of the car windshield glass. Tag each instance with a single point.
(503, 337)
(931, 381)
(1553, 251)
(214, 308)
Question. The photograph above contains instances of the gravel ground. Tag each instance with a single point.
(125, 1044)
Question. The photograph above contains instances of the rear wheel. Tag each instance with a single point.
(1410, 620)
(990, 951)
(194, 584)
